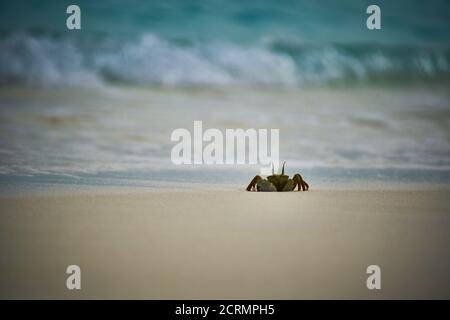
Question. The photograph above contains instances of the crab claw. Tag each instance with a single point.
(252, 184)
(265, 186)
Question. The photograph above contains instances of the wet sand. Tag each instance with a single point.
(226, 245)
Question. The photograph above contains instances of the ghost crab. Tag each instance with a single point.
(278, 182)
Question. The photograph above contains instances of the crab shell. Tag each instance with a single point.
(276, 182)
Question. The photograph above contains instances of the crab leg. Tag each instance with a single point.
(302, 185)
(252, 185)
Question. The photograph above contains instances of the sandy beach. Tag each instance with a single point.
(226, 245)
(129, 133)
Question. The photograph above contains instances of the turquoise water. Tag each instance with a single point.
(196, 43)
(319, 21)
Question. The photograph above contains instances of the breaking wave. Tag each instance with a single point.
(151, 60)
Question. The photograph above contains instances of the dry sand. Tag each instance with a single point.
(189, 245)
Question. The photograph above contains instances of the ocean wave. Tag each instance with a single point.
(151, 60)
(29, 60)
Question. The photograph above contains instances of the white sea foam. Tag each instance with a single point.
(125, 130)
(152, 60)
(30, 60)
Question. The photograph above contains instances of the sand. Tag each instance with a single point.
(226, 245)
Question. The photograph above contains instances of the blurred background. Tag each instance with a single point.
(97, 106)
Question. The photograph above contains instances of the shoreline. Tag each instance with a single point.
(159, 187)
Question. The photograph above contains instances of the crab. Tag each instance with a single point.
(278, 182)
